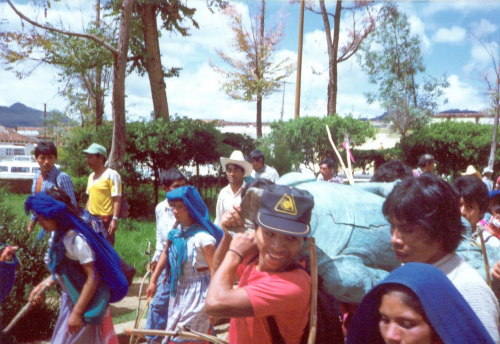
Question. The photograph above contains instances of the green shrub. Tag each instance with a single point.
(30, 272)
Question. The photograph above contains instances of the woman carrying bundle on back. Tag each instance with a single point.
(85, 266)
(188, 257)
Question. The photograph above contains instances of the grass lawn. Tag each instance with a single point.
(132, 241)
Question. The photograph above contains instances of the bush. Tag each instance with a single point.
(30, 272)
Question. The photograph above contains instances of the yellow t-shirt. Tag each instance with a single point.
(101, 190)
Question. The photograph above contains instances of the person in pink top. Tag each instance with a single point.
(272, 299)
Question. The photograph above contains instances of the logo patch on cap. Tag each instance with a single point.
(286, 205)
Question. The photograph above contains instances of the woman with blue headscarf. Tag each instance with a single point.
(86, 267)
(188, 257)
(418, 304)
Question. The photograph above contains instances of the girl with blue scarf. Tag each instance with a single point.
(188, 258)
(418, 304)
(85, 266)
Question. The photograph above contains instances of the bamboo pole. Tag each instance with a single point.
(485, 257)
(347, 172)
(186, 334)
(313, 317)
(24, 310)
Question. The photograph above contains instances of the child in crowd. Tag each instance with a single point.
(189, 253)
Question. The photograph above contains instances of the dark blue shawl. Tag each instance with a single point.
(7, 276)
(107, 261)
(448, 312)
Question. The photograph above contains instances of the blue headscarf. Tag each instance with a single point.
(447, 311)
(7, 276)
(197, 209)
(107, 261)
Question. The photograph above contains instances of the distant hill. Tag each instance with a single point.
(20, 115)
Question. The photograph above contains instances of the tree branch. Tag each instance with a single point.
(96, 39)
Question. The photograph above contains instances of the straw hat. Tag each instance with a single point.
(471, 171)
(487, 170)
(237, 158)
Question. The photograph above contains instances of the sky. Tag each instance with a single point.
(444, 27)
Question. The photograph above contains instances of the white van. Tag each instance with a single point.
(18, 169)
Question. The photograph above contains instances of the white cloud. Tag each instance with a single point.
(431, 8)
(462, 95)
(417, 27)
(455, 34)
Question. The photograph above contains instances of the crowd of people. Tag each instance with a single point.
(253, 271)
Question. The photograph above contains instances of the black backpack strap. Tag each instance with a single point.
(275, 331)
(276, 336)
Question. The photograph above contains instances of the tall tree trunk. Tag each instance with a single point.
(493, 149)
(153, 60)
(118, 144)
(259, 115)
(99, 97)
(99, 93)
(333, 48)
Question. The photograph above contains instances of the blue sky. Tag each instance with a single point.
(443, 26)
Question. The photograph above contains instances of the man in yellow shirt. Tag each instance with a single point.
(104, 188)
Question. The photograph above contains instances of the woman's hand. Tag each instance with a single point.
(152, 266)
(8, 253)
(37, 294)
(151, 291)
(244, 244)
(75, 322)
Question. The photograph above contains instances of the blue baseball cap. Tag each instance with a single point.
(285, 209)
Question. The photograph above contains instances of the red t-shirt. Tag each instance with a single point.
(284, 295)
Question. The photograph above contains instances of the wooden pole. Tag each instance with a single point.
(185, 334)
(299, 61)
(313, 317)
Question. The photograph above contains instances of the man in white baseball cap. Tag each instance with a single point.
(237, 168)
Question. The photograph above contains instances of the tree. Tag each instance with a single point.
(484, 36)
(305, 140)
(145, 46)
(361, 27)
(162, 144)
(119, 67)
(252, 73)
(85, 68)
(454, 145)
(392, 58)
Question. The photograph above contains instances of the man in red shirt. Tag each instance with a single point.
(272, 286)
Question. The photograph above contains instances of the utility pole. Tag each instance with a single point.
(299, 60)
(44, 119)
(283, 99)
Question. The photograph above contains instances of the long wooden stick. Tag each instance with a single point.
(24, 310)
(313, 317)
(185, 334)
(347, 172)
(485, 257)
